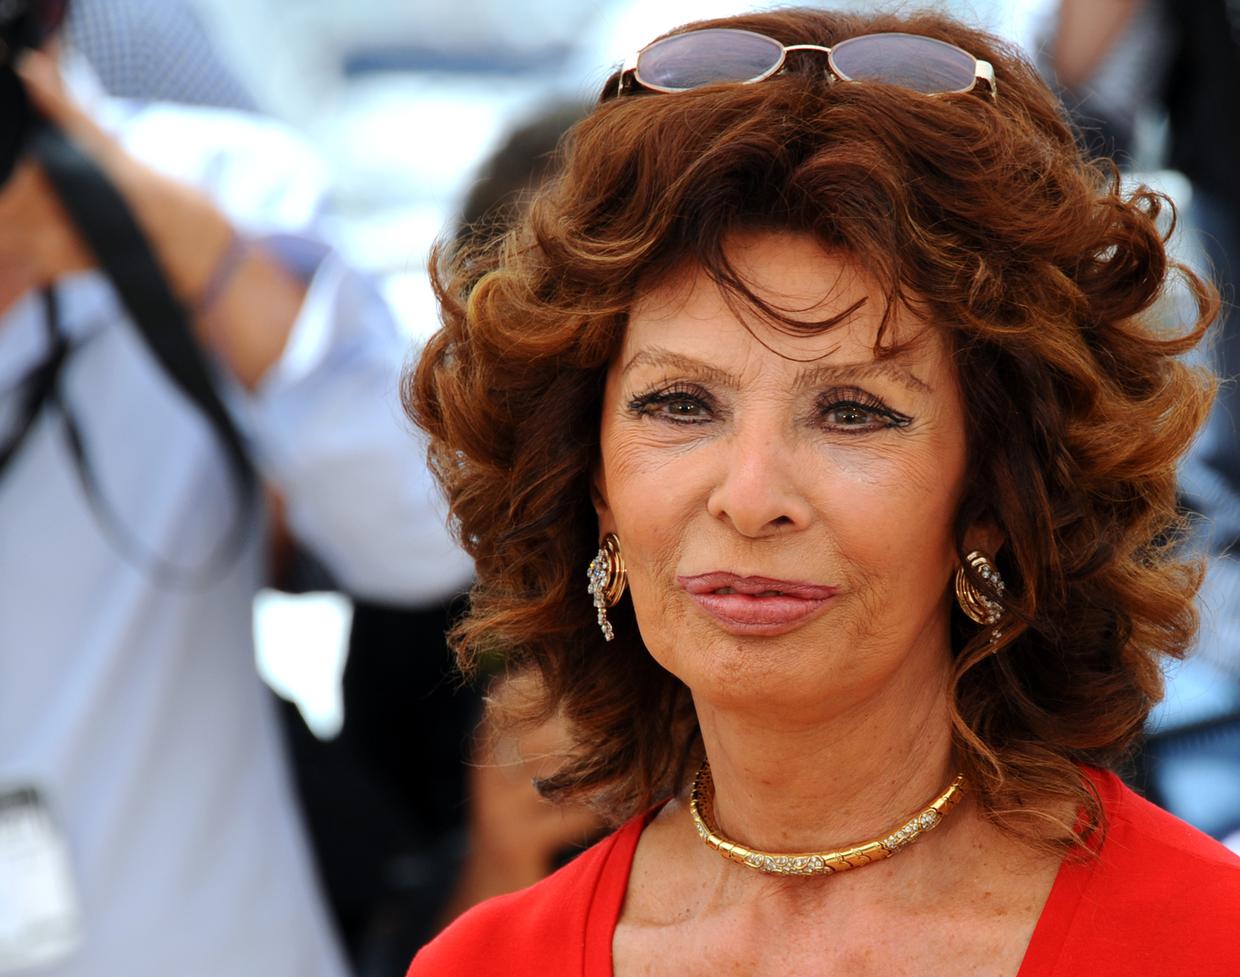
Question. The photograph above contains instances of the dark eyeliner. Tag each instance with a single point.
(861, 400)
(646, 404)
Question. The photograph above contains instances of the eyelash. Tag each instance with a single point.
(650, 404)
(647, 404)
(859, 400)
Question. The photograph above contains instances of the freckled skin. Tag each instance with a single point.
(750, 472)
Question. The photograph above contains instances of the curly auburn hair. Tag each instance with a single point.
(984, 215)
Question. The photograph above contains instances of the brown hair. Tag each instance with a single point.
(983, 215)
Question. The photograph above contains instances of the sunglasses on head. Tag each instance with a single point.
(724, 55)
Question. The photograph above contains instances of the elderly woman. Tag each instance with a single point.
(830, 346)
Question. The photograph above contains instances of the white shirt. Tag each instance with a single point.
(134, 707)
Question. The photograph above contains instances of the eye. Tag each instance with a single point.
(856, 412)
(679, 404)
(847, 414)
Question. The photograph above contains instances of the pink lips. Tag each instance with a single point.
(755, 605)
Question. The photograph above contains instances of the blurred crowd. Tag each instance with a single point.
(201, 347)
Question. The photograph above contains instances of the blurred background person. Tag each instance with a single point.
(1149, 82)
(385, 799)
(415, 814)
(134, 734)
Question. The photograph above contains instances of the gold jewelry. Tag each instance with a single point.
(981, 608)
(608, 578)
(701, 808)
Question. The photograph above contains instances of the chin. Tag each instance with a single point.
(753, 672)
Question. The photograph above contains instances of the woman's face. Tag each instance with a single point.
(784, 504)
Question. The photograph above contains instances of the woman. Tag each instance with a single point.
(846, 368)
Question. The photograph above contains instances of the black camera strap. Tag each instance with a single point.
(35, 388)
(100, 214)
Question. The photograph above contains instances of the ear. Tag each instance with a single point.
(598, 496)
(986, 536)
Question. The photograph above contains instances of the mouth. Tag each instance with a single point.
(755, 605)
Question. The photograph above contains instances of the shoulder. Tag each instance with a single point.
(543, 930)
(1143, 839)
(1161, 897)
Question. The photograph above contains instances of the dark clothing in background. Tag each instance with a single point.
(1202, 92)
(385, 801)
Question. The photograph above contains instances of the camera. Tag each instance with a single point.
(24, 24)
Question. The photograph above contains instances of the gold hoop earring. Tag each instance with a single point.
(608, 578)
(980, 607)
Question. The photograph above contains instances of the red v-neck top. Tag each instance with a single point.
(1160, 899)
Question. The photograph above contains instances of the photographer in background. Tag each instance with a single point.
(147, 822)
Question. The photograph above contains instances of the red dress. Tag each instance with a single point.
(1161, 899)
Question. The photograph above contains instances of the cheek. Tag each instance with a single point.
(651, 498)
(637, 461)
(891, 514)
(653, 494)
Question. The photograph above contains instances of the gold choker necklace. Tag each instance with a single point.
(702, 804)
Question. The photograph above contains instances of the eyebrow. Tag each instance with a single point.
(890, 367)
(658, 356)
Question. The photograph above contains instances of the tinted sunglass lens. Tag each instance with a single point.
(918, 63)
(707, 57)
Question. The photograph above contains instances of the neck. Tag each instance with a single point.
(833, 779)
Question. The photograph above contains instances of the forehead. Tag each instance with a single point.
(686, 310)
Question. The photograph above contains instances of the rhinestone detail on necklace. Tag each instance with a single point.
(701, 808)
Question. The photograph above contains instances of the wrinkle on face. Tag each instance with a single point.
(870, 513)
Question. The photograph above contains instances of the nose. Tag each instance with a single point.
(758, 491)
